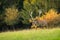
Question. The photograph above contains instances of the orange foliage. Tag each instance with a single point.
(50, 15)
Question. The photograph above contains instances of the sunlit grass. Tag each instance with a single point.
(33, 34)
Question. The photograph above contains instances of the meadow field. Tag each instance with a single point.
(32, 34)
(29, 19)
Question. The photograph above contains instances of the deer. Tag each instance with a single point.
(38, 23)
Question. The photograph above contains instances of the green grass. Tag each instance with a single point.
(41, 34)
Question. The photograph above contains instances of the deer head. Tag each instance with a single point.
(34, 21)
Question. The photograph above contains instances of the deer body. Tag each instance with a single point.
(38, 22)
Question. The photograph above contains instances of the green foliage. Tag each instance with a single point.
(25, 15)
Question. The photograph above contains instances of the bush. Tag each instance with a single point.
(51, 17)
(12, 16)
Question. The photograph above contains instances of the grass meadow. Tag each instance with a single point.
(32, 34)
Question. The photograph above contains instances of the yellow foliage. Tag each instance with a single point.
(34, 26)
(11, 15)
(30, 20)
(33, 1)
(26, 2)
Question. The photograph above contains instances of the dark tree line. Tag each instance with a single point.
(24, 7)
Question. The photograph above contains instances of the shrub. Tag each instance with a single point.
(51, 17)
(12, 16)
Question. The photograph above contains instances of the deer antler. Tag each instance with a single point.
(40, 11)
(31, 15)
